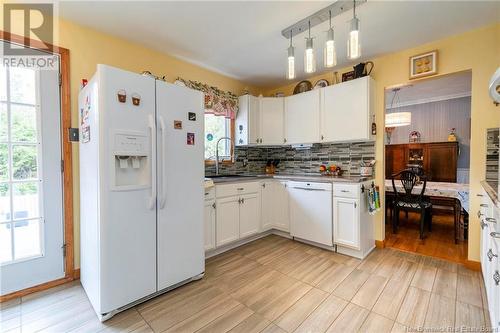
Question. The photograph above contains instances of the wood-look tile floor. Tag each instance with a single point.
(279, 285)
(438, 243)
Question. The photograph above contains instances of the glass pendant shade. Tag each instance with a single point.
(353, 45)
(309, 58)
(290, 73)
(330, 55)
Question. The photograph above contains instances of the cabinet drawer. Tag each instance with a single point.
(228, 190)
(346, 190)
(209, 193)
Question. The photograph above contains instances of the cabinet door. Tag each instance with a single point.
(209, 219)
(302, 118)
(346, 222)
(282, 217)
(271, 120)
(249, 214)
(247, 121)
(441, 162)
(396, 159)
(345, 111)
(267, 204)
(228, 220)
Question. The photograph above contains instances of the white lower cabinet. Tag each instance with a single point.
(237, 212)
(209, 217)
(275, 206)
(346, 222)
(352, 224)
(228, 220)
(489, 216)
(249, 215)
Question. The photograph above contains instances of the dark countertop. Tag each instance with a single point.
(491, 188)
(294, 177)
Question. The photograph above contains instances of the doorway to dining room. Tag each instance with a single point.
(427, 160)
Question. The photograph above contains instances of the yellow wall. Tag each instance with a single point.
(477, 50)
(90, 47)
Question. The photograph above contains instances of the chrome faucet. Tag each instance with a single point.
(217, 152)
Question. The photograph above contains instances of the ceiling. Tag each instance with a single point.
(431, 90)
(242, 39)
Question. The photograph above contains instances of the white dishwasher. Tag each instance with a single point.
(311, 212)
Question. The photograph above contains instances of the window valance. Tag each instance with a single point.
(217, 102)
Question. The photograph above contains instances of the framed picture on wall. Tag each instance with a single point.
(424, 64)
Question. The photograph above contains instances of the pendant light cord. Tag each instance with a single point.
(291, 36)
(330, 19)
(354, 8)
(309, 29)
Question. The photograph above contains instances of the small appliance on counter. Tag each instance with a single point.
(366, 168)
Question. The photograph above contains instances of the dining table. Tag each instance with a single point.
(454, 195)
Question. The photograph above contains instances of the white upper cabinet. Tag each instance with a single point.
(302, 118)
(347, 111)
(271, 121)
(247, 121)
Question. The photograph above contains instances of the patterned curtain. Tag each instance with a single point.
(217, 102)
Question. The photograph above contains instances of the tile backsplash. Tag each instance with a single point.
(293, 160)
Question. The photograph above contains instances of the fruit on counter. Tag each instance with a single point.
(322, 168)
(332, 168)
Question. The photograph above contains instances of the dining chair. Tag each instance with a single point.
(407, 201)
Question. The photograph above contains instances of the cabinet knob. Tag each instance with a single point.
(491, 220)
(491, 255)
(479, 214)
(496, 277)
(264, 185)
(284, 140)
(483, 225)
(242, 200)
(480, 195)
(495, 234)
(322, 137)
(213, 205)
(483, 205)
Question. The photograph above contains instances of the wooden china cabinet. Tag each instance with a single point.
(438, 159)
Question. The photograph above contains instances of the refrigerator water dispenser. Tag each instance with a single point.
(131, 161)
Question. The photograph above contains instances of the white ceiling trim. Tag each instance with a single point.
(428, 100)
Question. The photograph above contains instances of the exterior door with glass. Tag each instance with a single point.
(31, 205)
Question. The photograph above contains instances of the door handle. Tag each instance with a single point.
(490, 219)
(483, 205)
(495, 234)
(479, 214)
(309, 189)
(496, 278)
(152, 161)
(163, 177)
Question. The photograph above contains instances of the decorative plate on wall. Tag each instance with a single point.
(302, 86)
(321, 84)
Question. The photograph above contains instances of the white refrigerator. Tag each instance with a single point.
(141, 188)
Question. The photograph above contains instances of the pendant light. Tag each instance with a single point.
(309, 58)
(353, 45)
(290, 73)
(330, 55)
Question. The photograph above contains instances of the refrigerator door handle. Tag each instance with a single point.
(152, 198)
(161, 156)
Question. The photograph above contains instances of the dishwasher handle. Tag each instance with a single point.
(309, 188)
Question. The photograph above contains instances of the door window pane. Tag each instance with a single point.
(22, 85)
(4, 162)
(23, 128)
(24, 164)
(5, 242)
(25, 200)
(4, 202)
(3, 123)
(3, 83)
(26, 239)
